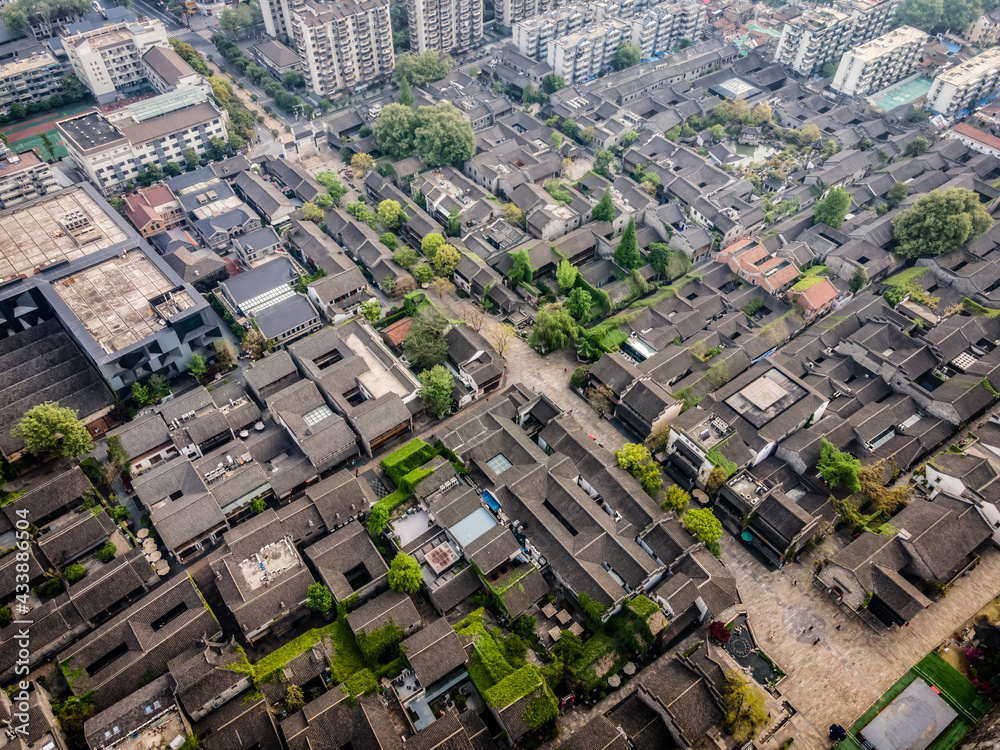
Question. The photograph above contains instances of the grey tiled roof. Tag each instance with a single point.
(131, 714)
(392, 605)
(185, 519)
(83, 532)
(434, 651)
(143, 434)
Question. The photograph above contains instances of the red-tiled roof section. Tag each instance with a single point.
(973, 134)
(396, 334)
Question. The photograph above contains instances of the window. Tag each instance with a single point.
(320, 413)
(499, 463)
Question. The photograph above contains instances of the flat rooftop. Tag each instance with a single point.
(970, 69)
(766, 397)
(914, 719)
(90, 131)
(121, 301)
(378, 381)
(267, 566)
(886, 43)
(64, 226)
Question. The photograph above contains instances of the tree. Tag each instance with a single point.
(391, 214)
(394, 130)
(324, 201)
(880, 498)
(918, 146)
(443, 135)
(552, 83)
(719, 632)
(172, 169)
(675, 499)
(107, 553)
(331, 182)
(602, 162)
(361, 164)
(808, 134)
(636, 459)
(513, 215)
(74, 573)
(406, 97)
(116, 454)
(295, 699)
(501, 336)
(832, 210)
(438, 383)
(626, 56)
(554, 328)
(198, 366)
(48, 146)
(897, 193)
(605, 208)
(404, 574)
(578, 305)
(312, 212)
(939, 222)
(837, 467)
(140, 394)
(858, 280)
(445, 260)
(566, 275)
(829, 69)
(253, 342)
(745, 714)
(225, 355)
(371, 310)
(659, 257)
(258, 506)
(600, 398)
(52, 429)
(423, 273)
(715, 480)
(702, 524)
(191, 158)
(425, 345)
(718, 132)
(521, 272)
(568, 647)
(406, 256)
(378, 519)
(159, 388)
(430, 243)
(570, 126)
(320, 598)
(627, 253)
(419, 69)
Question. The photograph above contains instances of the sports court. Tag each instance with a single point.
(958, 696)
(27, 133)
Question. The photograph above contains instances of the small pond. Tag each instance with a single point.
(744, 651)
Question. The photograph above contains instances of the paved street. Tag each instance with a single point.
(838, 679)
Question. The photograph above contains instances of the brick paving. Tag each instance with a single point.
(837, 680)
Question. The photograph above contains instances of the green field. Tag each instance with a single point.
(957, 692)
(35, 141)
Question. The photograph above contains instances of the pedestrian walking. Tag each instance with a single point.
(816, 641)
(838, 627)
(811, 627)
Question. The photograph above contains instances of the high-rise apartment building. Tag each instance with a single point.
(343, 44)
(585, 54)
(532, 35)
(880, 62)
(444, 25)
(965, 84)
(822, 34)
(24, 177)
(508, 12)
(661, 28)
(109, 59)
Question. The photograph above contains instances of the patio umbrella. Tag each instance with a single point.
(746, 536)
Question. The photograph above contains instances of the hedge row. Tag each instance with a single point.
(401, 462)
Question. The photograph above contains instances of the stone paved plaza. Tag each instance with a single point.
(837, 680)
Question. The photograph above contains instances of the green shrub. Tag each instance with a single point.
(74, 573)
(361, 682)
(107, 553)
(404, 460)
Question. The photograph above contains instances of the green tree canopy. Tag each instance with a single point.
(898, 192)
(918, 146)
(445, 260)
(320, 598)
(939, 222)
(602, 162)
(406, 256)
(675, 499)
(521, 271)
(404, 574)
(417, 70)
(554, 328)
(371, 310)
(436, 390)
(391, 213)
(53, 429)
(443, 135)
(566, 275)
(406, 93)
(312, 212)
(626, 56)
(703, 525)
(394, 130)
(425, 345)
(627, 253)
(430, 243)
(837, 467)
(745, 714)
(637, 460)
(605, 208)
(659, 257)
(390, 241)
(578, 305)
(832, 210)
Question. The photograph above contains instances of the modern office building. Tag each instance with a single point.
(965, 84)
(69, 255)
(30, 79)
(880, 62)
(108, 60)
(343, 45)
(661, 28)
(587, 53)
(112, 149)
(444, 25)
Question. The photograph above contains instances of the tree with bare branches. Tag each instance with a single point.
(501, 336)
